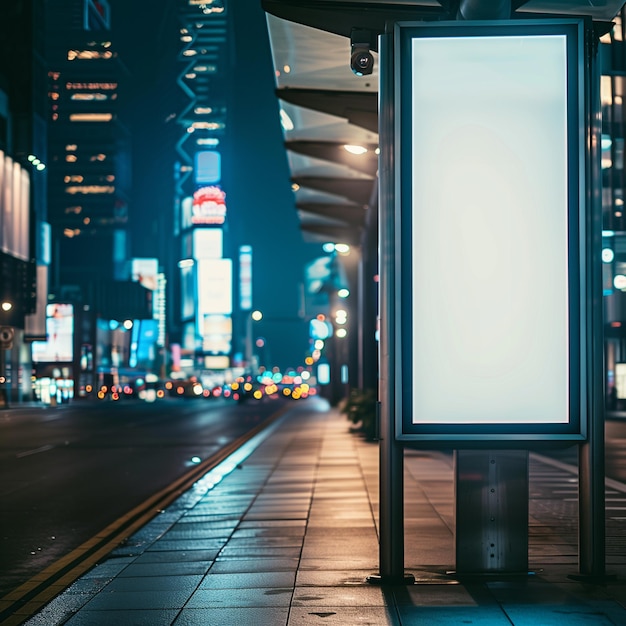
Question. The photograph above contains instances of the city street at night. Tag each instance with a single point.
(312, 312)
(70, 471)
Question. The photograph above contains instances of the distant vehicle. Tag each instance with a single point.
(190, 388)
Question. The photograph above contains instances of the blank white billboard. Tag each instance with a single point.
(487, 228)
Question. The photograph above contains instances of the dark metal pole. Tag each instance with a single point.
(592, 559)
(391, 453)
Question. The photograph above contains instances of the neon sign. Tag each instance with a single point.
(209, 206)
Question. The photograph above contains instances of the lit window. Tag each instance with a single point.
(72, 55)
(189, 53)
(73, 210)
(110, 178)
(86, 220)
(97, 157)
(53, 95)
(91, 117)
(89, 189)
(208, 141)
(73, 179)
(70, 147)
(99, 97)
(208, 125)
(71, 158)
(92, 86)
(71, 232)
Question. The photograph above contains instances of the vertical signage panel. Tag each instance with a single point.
(490, 224)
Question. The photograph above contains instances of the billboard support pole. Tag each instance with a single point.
(391, 463)
(591, 514)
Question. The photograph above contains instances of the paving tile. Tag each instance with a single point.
(109, 568)
(332, 578)
(216, 522)
(270, 616)
(252, 551)
(286, 515)
(197, 531)
(158, 617)
(297, 523)
(295, 532)
(248, 580)
(454, 616)
(176, 556)
(255, 597)
(356, 596)
(142, 600)
(343, 616)
(558, 615)
(266, 541)
(341, 548)
(155, 583)
(180, 568)
(187, 545)
(254, 565)
(88, 585)
(448, 593)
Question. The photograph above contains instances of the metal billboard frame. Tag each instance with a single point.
(397, 168)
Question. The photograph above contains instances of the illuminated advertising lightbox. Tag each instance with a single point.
(245, 278)
(490, 143)
(59, 346)
(215, 286)
(208, 243)
(217, 334)
(207, 167)
(209, 206)
(145, 272)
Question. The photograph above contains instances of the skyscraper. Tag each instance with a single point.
(89, 146)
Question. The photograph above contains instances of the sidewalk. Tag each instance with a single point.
(287, 536)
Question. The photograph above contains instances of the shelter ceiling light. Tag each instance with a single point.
(285, 121)
(354, 149)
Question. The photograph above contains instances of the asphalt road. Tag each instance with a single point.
(68, 472)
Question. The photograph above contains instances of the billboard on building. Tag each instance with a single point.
(208, 243)
(217, 334)
(214, 286)
(245, 278)
(207, 167)
(145, 272)
(59, 345)
(209, 206)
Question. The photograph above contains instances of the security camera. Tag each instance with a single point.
(361, 59)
